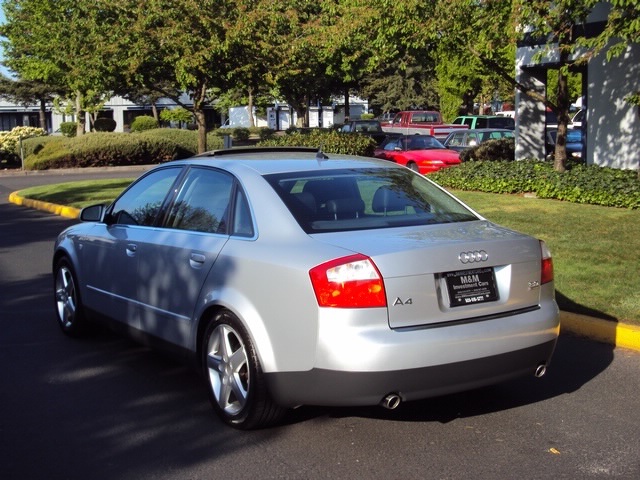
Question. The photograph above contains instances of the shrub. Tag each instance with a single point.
(328, 141)
(143, 122)
(177, 114)
(582, 184)
(115, 149)
(34, 145)
(104, 125)
(502, 149)
(186, 140)
(241, 134)
(10, 141)
(266, 133)
(69, 129)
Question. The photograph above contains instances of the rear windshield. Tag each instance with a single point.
(360, 199)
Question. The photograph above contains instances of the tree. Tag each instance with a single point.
(63, 44)
(27, 93)
(179, 44)
(391, 88)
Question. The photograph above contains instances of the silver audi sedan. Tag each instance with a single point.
(295, 277)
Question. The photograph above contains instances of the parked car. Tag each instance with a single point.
(370, 128)
(421, 153)
(294, 277)
(464, 139)
(578, 119)
(574, 145)
(421, 122)
(485, 121)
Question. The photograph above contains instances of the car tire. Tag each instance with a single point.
(69, 308)
(413, 166)
(233, 375)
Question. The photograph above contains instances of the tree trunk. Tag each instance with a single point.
(560, 152)
(42, 116)
(154, 110)
(347, 109)
(201, 120)
(80, 120)
(252, 123)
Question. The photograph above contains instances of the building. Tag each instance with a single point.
(612, 126)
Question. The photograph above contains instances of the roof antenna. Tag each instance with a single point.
(320, 154)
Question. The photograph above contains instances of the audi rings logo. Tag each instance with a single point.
(472, 257)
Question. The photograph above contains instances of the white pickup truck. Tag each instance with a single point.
(425, 122)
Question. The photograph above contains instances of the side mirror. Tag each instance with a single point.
(93, 213)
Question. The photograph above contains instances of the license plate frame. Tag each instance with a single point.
(471, 287)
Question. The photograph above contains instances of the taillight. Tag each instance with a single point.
(546, 275)
(348, 282)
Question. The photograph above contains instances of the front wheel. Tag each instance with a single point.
(413, 166)
(235, 381)
(69, 310)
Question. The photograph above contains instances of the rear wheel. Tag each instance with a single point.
(235, 381)
(69, 310)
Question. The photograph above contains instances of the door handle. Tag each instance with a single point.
(131, 249)
(196, 260)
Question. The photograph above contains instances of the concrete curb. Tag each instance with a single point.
(605, 331)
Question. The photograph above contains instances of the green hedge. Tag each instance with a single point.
(98, 149)
(582, 184)
(329, 141)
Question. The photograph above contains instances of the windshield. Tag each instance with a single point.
(360, 199)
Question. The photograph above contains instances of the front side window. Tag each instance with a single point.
(140, 204)
(457, 139)
(359, 199)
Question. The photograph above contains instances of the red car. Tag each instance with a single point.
(421, 153)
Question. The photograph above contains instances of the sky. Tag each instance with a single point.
(3, 70)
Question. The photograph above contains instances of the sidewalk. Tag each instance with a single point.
(605, 331)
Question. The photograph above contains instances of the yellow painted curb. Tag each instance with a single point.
(607, 331)
(68, 212)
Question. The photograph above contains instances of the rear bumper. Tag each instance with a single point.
(337, 388)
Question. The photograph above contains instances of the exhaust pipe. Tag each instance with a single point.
(391, 401)
(540, 370)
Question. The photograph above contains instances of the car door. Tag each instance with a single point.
(109, 254)
(174, 261)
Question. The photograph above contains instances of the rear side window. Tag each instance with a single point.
(481, 122)
(202, 204)
(502, 122)
(359, 199)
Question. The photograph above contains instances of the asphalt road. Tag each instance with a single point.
(107, 408)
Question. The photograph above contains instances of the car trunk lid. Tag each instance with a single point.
(449, 272)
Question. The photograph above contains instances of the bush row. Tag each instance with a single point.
(98, 149)
(328, 141)
(582, 184)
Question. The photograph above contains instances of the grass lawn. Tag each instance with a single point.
(78, 194)
(595, 249)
